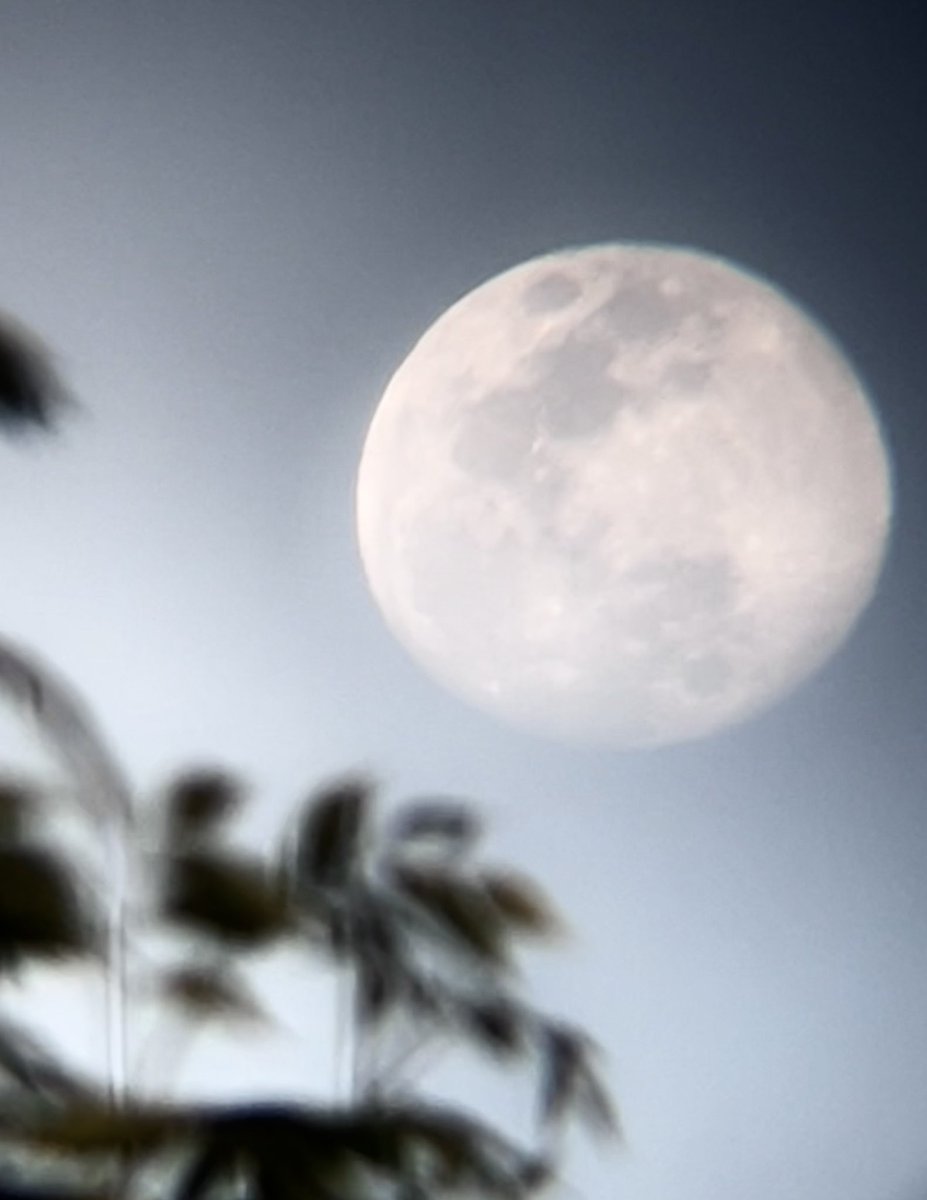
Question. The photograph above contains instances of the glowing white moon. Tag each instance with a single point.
(625, 494)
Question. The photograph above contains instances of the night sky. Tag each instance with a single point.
(231, 221)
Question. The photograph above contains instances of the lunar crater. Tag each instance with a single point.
(550, 293)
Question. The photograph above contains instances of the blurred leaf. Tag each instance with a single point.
(31, 395)
(521, 902)
(69, 730)
(330, 835)
(499, 1025)
(460, 908)
(40, 912)
(562, 1054)
(595, 1105)
(199, 801)
(448, 827)
(232, 898)
(211, 992)
(569, 1084)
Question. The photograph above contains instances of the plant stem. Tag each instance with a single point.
(117, 971)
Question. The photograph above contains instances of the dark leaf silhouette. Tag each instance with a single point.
(274, 1150)
(288, 1150)
(198, 802)
(41, 915)
(499, 1025)
(232, 898)
(330, 836)
(31, 395)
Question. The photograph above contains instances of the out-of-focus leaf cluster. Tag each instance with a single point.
(288, 1150)
(431, 935)
(403, 905)
(428, 934)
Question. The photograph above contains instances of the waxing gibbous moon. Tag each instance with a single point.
(624, 494)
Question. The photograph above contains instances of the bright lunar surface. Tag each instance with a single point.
(625, 494)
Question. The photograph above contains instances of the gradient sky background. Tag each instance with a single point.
(231, 221)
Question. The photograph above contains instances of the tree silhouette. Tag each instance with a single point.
(401, 906)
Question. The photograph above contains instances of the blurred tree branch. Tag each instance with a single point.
(429, 937)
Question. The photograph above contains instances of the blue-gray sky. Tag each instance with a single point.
(231, 221)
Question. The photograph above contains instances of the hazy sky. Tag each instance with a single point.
(231, 221)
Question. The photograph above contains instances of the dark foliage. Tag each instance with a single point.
(232, 898)
(431, 947)
(198, 803)
(329, 844)
(31, 396)
(41, 915)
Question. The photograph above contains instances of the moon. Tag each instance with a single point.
(624, 494)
